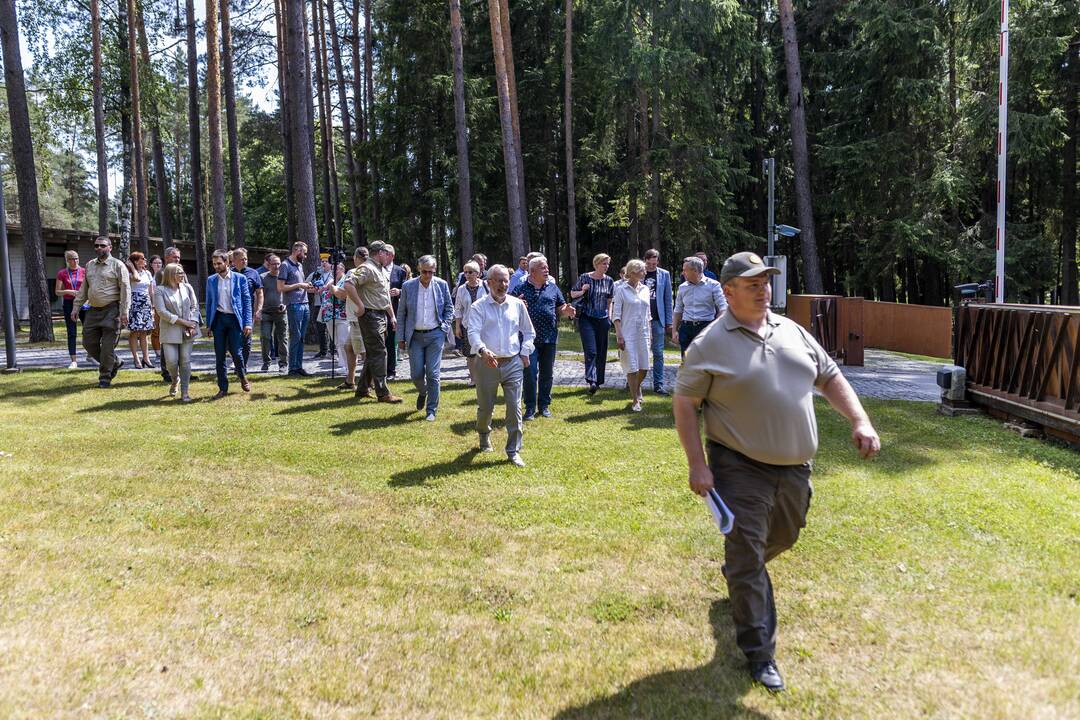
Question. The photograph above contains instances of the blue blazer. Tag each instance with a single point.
(407, 309)
(664, 297)
(241, 299)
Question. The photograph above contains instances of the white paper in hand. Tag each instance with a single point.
(722, 515)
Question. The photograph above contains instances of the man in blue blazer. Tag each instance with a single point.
(658, 281)
(228, 315)
(425, 312)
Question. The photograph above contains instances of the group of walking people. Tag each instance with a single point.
(748, 375)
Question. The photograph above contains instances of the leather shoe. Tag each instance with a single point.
(245, 385)
(421, 400)
(220, 394)
(392, 399)
(104, 383)
(301, 372)
(116, 368)
(592, 388)
(767, 675)
(362, 394)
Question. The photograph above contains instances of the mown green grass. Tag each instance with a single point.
(294, 554)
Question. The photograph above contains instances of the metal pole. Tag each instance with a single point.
(1003, 126)
(770, 169)
(6, 289)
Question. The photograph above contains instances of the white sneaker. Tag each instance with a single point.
(515, 458)
(73, 366)
(636, 407)
(485, 444)
(430, 417)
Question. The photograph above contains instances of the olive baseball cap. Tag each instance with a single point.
(376, 247)
(745, 264)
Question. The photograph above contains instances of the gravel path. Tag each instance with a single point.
(885, 376)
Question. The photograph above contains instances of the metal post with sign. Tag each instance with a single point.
(6, 290)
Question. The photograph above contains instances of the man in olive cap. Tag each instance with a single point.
(752, 375)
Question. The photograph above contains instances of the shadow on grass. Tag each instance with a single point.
(372, 423)
(75, 385)
(650, 419)
(342, 399)
(710, 691)
(462, 463)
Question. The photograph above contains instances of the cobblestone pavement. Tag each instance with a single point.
(886, 375)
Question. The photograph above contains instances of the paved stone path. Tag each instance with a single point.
(886, 375)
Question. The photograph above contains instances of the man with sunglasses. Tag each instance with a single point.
(107, 290)
(426, 312)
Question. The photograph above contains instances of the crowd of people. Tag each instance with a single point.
(748, 376)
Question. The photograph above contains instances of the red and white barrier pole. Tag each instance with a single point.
(1003, 126)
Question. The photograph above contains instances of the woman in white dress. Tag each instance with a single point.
(630, 312)
(178, 309)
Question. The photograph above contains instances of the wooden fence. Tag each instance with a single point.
(1023, 360)
(917, 329)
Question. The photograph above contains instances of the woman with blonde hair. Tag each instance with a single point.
(466, 294)
(630, 311)
(178, 308)
(593, 293)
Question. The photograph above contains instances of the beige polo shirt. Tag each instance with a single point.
(106, 282)
(372, 285)
(758, 389)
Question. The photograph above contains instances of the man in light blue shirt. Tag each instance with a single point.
(521, 273)
(699, 301)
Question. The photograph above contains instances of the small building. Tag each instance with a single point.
(58, 241)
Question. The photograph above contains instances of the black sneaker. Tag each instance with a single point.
(592, 388)
(420, 400)
(104, 383)
(116, 368)
(767, 675)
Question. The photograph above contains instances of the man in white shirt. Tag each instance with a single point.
(502, 334)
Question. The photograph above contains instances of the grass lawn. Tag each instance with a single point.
(293, 554)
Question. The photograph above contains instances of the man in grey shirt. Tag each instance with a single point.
(273, 328)
(752, 375)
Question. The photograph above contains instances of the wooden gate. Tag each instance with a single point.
(837, 324)
(1023, 360)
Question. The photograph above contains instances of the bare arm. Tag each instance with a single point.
(685, 410)
(842, 397)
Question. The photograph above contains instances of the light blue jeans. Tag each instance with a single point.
(299, 314)
(658, 340)
(425, 364)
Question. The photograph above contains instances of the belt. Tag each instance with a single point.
(696, 322)
(505, 360)
(425, 330)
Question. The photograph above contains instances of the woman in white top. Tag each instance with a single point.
(630, 312)
(466, 294)
(178, 309)
(141, 315)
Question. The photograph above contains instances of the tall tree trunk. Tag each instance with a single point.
(568, 139)
(299, 87)
(195, 146)
(236, 195)
(219, 229)
(331, 149)
(758, 84)
(360, 223)
(1069, 207)
(346, 123)
(644, 136)
(799, 150)
(461, 135)
(518, 237)
(142, 208)
(126, 199)
(285, 112)
(22, 151)
(99, 118)
(633, 240)
(511, 76)
(178, 114)
(654, 179)
(326, 137)
(369, 122)
(312, 260)
(157, 150)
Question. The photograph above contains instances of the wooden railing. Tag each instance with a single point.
(1023, 360)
